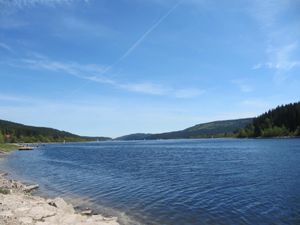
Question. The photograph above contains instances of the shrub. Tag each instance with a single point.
(4, 191)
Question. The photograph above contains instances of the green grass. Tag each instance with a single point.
(7, 147)
(4, 191)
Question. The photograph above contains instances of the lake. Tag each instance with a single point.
(172, 182)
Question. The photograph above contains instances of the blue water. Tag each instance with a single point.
(215, 182)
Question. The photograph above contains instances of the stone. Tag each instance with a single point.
(26, 220)
(7, 213)
(40, 212)
(61, 204)
(30, 188)
(21, 208)
(87, 212)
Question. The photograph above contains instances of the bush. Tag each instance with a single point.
(242, 133)
(275, 132)
(4, 191)
(1, 137)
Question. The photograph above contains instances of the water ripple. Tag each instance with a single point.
(203, 182)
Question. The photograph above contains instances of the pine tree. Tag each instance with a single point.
(282, 121)
(1, 137)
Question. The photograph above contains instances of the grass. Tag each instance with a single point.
(4, 191)
(7, 147)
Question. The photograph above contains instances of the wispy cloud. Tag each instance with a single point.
(148, 88)
(96, 73)
(6, 47)
(281, 45)
(280, 60)
(282, 57)
(14, 98)
(243, 85)
(31, 3)
(12, 6)
(57, 66)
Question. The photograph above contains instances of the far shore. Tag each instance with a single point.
(8, 147)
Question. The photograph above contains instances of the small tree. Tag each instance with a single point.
(257, 131)
(1, 137)
(242, 133)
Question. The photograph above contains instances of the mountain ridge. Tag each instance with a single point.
(18, 132)
(220, 128)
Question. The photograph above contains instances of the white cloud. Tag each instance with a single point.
(280, 38)
(281, 61)
(281, 58)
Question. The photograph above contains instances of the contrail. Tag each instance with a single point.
(149, 31)
(142, 38)
(135, 44)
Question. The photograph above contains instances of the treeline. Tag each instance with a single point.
(281, 121)
(18, 133)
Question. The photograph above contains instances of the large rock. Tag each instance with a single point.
(30, 188)
(21, 208)
(61, 205)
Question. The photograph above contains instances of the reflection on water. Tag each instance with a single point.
(173, 182)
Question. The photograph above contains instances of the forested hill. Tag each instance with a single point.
(225, 128)
(281, 121)
(16, 132)
(137, 136)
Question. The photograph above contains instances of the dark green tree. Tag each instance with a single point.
(1, 137)
(282, 121)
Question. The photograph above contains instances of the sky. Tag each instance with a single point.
(110, 68)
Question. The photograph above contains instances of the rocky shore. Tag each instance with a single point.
(19, 207)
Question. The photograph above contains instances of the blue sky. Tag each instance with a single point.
(100, 67)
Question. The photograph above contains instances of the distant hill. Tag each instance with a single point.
(16, 132)
(137, 136)
(281, 121)
(225, 128)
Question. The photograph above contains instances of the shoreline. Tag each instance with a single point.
(19, 207)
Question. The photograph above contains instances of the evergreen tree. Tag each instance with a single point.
(1, 137)
(281, 121)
